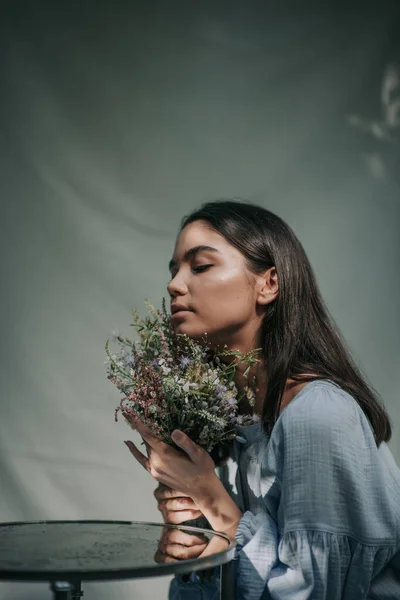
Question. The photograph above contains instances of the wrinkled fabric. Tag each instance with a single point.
(321, 505)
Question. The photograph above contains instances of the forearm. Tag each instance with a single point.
(219, 509)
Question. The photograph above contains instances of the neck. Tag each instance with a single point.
(257, 380)
(259, 375)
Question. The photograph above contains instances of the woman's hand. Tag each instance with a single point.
(175, 507)
(190, 472)
(176, 545)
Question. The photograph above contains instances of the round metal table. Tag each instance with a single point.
(66, 553)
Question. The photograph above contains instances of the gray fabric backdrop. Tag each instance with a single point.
(118, 120)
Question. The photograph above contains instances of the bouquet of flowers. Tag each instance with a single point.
(172, 382)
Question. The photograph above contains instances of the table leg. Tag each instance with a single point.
(76, 592)
(61, 590)
(227, 581)
(66, 590)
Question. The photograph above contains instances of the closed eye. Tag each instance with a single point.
(201, 268)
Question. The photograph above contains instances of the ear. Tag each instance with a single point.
(267, 286)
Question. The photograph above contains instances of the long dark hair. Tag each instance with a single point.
(299, 338)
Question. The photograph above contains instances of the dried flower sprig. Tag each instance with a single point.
(172, 382)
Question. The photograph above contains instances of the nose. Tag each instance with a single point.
(176, 287)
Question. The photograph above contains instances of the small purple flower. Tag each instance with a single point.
(184, 362)
(129, 361)
(155, 362)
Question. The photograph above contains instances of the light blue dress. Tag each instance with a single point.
(321, 507)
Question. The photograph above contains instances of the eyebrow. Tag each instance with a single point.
(192, 252)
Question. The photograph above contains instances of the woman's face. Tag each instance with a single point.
(216, 287)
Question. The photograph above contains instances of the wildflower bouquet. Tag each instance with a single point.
(172, 382)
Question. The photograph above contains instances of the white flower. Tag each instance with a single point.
(230, 400)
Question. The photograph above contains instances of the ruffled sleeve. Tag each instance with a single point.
(325, 527)
(313, 565)
(256, 553)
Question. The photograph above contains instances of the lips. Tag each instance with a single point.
(178, 308)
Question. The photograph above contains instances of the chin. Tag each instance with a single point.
(193, 332)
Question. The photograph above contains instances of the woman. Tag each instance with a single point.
(312, 494)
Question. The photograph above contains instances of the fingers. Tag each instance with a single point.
(160, 557)
(180, 516)
(179, 552)
(175, 545)
(177, 536)
(148, 437)
(163, 492)
(183, 441)
(175, 507)
(183, 503)
(148, 449)
(141, 458)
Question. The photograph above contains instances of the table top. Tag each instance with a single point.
(100, 550)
